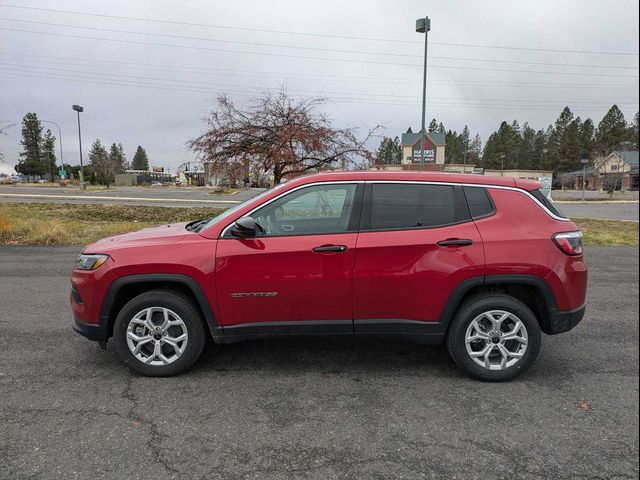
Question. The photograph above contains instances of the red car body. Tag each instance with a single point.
(404, 281)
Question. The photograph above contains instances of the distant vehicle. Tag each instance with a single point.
(485, 265)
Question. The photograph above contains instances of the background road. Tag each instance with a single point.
(340, 408)
(195, 197)
(165, 196)
(609, 211)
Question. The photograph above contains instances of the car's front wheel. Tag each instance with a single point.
(159, 333)
(494, 337)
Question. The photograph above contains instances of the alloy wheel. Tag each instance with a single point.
(157, 336)
(496, 340)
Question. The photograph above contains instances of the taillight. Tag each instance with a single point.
(569, 242)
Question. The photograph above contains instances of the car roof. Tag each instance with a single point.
(412, 176)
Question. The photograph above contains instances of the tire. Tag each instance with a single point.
(499, 340)
(177, 353)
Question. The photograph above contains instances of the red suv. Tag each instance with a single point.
(484, 264)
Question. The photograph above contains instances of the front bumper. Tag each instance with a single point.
(564, 321)
(92, 331)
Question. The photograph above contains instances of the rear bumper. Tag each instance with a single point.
(564, 321)
(91, 331)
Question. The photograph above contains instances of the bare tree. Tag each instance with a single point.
(284, 135)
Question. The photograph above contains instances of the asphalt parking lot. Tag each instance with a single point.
(339, 408)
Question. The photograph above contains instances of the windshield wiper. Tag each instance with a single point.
(193, 227)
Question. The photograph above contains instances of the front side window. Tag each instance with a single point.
(402, 206)
(320, 209)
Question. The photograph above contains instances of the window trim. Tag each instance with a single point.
(353, 224)
(426, 182)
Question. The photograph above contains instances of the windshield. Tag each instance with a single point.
(210, 221)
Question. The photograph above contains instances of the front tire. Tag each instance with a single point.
(494, 337)
(159, 333)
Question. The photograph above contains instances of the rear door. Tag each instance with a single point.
(417, 241)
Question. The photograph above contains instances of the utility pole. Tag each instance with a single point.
(423, 25)
(79, 109)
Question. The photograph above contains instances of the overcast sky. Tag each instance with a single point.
(150, 85)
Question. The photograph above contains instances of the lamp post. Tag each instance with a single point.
(423, 25)
(59, 138)
(79, 109)
(584, 163)
(502, 157)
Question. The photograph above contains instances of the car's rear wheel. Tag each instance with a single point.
(494, 337)
(159, 333)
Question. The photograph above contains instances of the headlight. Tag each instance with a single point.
(90, 262)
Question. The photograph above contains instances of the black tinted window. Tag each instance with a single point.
(414, 206)
(479, 202)
(547, 203)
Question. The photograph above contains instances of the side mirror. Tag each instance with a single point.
(245, 227)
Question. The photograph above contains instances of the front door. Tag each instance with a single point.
(297, 274)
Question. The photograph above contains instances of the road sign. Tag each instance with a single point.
(62, 173)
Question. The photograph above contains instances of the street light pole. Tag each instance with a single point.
(423, 25)
(502, 160)
(79, 109)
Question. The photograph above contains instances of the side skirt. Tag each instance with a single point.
(431, 333)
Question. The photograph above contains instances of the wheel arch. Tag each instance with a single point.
(533, 291)
(125, 288)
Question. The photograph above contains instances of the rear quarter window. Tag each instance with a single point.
(547, 203)
(480, 203)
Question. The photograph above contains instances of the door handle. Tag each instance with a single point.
(455, 242)
(330, 248)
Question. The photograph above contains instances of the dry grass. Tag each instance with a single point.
(608, 233)
(67, 224)
(70, 224)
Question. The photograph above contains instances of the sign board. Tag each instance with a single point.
(546, 186)
(62, 173)
(428, 155)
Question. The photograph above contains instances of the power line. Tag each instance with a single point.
(319, 49)
(305, 57)
(307, 34)
(404, 99)
(353, 78)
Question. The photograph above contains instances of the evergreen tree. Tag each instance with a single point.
(30, 158)
(611, 132)
(117, 158)
(49, 153)
(389, 152)
(409, 130)
(464, 141)
(433, 126)
(555, 147)
(587, 132)
(101, 163)
(634, 133)
(475, 150)
(441, 128)
(140, 160)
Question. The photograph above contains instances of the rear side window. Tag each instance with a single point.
(479, 201)
(397, 205)
(547, 203)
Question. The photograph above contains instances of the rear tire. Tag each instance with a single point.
(494, 337)
(159, 333)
